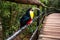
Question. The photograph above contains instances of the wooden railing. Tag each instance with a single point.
(16, 34)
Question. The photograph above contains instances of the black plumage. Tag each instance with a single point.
(25, 18)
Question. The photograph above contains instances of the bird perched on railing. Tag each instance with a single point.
(27, 18)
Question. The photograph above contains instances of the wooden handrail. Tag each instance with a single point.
(20, 30)
(32, 2)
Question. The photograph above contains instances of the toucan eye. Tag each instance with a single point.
(32, 10)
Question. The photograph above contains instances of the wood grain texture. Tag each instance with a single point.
(51, 27)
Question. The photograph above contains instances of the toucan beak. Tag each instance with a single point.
(35, 9)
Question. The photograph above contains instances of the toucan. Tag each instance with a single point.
(27, 18)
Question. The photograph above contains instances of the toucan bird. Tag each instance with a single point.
(27, 18)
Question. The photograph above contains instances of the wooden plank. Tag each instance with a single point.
(54, 20)
(51, 24)
(52, 29)
(49, 36)
(44, 38)
(51, 33)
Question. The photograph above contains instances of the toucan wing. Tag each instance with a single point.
(24, 20)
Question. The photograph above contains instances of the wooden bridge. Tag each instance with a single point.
(51, 27)
(51, 24)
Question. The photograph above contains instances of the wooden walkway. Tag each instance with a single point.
(51, 27)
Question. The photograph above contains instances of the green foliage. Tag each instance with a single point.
(54, 3)
(44, 1)
(11, 14)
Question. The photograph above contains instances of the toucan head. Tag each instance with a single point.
(30, 11)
